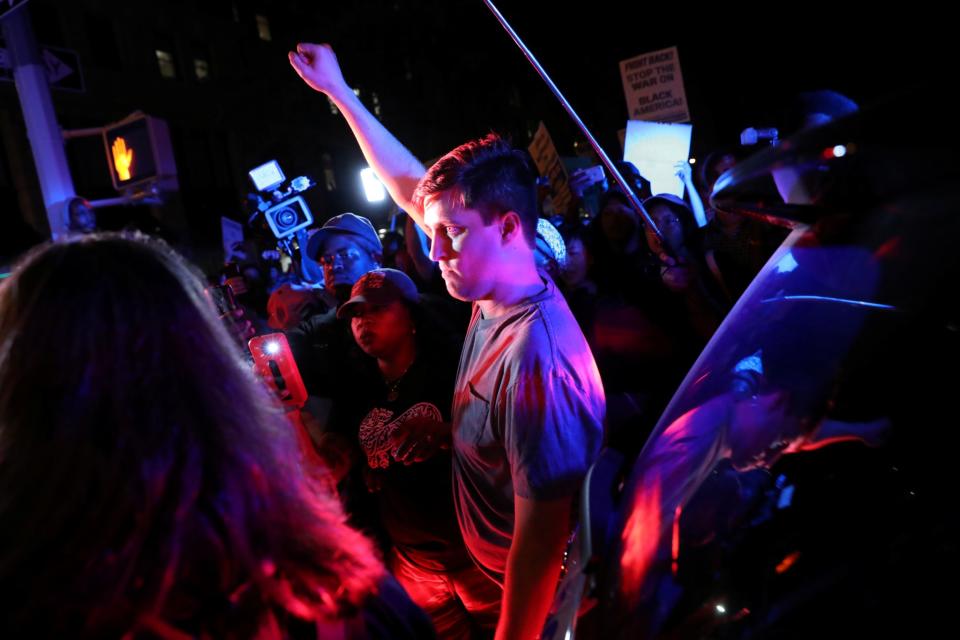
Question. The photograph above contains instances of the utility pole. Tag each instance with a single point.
(43, 131)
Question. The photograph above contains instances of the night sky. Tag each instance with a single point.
(445, 71)
(740, 66)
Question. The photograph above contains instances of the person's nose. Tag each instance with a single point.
(438, 250)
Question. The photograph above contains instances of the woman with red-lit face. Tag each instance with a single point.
(401, 445)
(385, 332)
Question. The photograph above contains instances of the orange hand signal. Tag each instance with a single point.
(122, 158)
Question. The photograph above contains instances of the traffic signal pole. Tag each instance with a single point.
(43, 131)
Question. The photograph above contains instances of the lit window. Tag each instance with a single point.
(263, 28)
(168, 68)
(201, 69)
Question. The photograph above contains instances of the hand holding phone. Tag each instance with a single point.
(583, 179)
(274, 362)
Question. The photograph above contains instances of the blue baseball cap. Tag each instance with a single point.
(345, 224)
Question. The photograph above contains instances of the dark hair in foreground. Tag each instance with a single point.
(148, 483)
(487, 175)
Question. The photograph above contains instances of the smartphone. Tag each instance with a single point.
(273, 361)
(596, 173)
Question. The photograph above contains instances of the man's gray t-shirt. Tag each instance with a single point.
(528, 416)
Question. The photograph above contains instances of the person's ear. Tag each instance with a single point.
(510, 226)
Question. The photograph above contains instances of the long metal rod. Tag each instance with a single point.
(70, 134)
(604, 158)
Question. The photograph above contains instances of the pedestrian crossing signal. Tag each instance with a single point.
(139, 152)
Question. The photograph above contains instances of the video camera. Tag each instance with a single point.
(285, 210)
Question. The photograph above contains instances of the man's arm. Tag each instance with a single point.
(396, 167)
(685, 173)
(540, 531)
(418, 248)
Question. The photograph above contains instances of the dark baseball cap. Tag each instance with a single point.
(345, 224)
(379, 287)
(668, 199)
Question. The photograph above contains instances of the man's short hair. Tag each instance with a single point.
(486, 175)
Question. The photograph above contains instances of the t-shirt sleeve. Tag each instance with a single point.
(552, 434)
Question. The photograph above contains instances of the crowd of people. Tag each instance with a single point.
(463, 373)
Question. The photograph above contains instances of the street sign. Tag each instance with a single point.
(62, 65)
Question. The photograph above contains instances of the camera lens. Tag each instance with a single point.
(286, 217)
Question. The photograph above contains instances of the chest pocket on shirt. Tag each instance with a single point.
(472, 421)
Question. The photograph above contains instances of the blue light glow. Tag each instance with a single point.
(372, 187)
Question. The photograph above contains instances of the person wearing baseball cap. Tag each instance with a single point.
(379, 287)
(333, 367)
(346, 247)
(404, 437)
(684, 268)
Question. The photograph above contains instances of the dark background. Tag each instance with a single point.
(441, 72)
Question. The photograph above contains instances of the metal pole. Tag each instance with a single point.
(637, 205)
(43, 131)
(69, 134)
